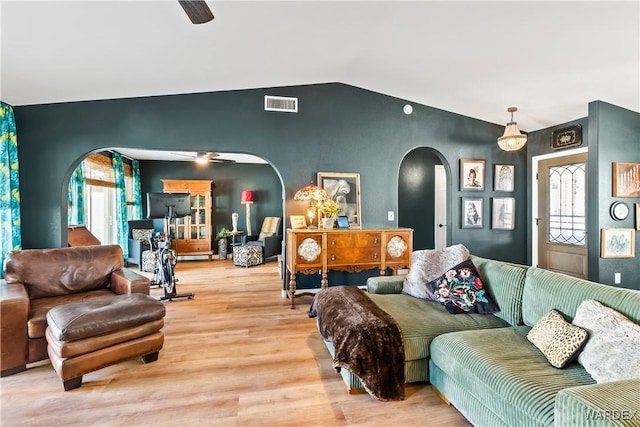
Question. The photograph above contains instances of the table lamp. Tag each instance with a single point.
(314, 195)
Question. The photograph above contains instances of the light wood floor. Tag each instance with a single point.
(236, 355)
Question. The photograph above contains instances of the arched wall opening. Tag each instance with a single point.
(229, 180)
(417, 207)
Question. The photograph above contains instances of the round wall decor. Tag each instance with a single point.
(619, 211)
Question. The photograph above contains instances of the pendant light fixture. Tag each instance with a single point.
(512, 140)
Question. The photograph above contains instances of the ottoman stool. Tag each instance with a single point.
(246, 256)
(85, 336)
(149, 261)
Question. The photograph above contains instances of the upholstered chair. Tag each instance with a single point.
(36, 280)
(270, 238)
(138, 241)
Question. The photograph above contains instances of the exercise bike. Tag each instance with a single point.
(164, 272)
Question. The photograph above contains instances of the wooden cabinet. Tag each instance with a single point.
(312, 251)
(192, 234)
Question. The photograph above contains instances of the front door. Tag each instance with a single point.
(562, 215)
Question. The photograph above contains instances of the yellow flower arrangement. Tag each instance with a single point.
(330, 209)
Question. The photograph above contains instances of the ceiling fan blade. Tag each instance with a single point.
(184, 155)
(197, 10)
(222, 161)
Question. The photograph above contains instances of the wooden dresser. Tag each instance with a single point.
(311, 251)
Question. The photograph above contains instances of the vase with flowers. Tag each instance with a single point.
(222, 237)
(330, 211)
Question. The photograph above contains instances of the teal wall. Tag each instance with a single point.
(339, 128)
(229, 181)
(614, 136)
(611, 134)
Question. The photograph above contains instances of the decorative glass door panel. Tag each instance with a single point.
(562, 214)
(567, 204)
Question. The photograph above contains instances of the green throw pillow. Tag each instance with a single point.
(558, 340)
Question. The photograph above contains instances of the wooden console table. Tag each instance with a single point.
(310, 251)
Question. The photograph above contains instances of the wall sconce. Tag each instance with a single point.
(512, 140)
(247, 199)
(314, 195)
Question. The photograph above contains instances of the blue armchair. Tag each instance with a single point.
(138, 241)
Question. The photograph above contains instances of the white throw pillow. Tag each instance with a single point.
(613, 350)
(428, 265)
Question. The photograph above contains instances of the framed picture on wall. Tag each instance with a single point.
(344, 188)
(472, 212)
(626, 179)
(503, 177)
(617, 243)
(503, 213)
(637, 216)
(472, 174)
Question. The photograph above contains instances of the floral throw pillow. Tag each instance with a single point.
(460, 290)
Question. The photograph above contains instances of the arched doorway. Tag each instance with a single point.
(423, 202)
(230, 179)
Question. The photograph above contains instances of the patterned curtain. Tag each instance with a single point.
(9, 185)
(137, 191)
(121, 202)
(76, 209)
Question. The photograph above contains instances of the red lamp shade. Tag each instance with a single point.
(247, 197)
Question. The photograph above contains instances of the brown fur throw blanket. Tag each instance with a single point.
(367, 340)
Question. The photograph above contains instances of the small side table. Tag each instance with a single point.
(235, 234)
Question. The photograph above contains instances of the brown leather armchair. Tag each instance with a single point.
(36, 280)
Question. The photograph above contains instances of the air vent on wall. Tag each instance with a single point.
(280, 103)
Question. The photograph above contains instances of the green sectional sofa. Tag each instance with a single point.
(421, 321)
(498, 378)
(485, 366)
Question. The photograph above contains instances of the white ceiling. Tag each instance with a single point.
(473, 58)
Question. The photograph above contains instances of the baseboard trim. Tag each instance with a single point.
(441, 396)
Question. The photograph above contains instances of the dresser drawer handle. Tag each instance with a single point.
(333, 242)
(333, 257)
(375, 256)
(375, 241)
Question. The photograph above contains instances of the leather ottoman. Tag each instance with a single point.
(246, 256)
(85, 336)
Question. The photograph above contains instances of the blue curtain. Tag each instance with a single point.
(137, 191)
(76, 207)
(9, 184)
(121, 203)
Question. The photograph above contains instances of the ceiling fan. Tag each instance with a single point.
(197, 11)
(208, 157)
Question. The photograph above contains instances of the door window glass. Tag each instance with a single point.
(567, 204)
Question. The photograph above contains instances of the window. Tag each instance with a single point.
(567, 204)
(101, 196)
